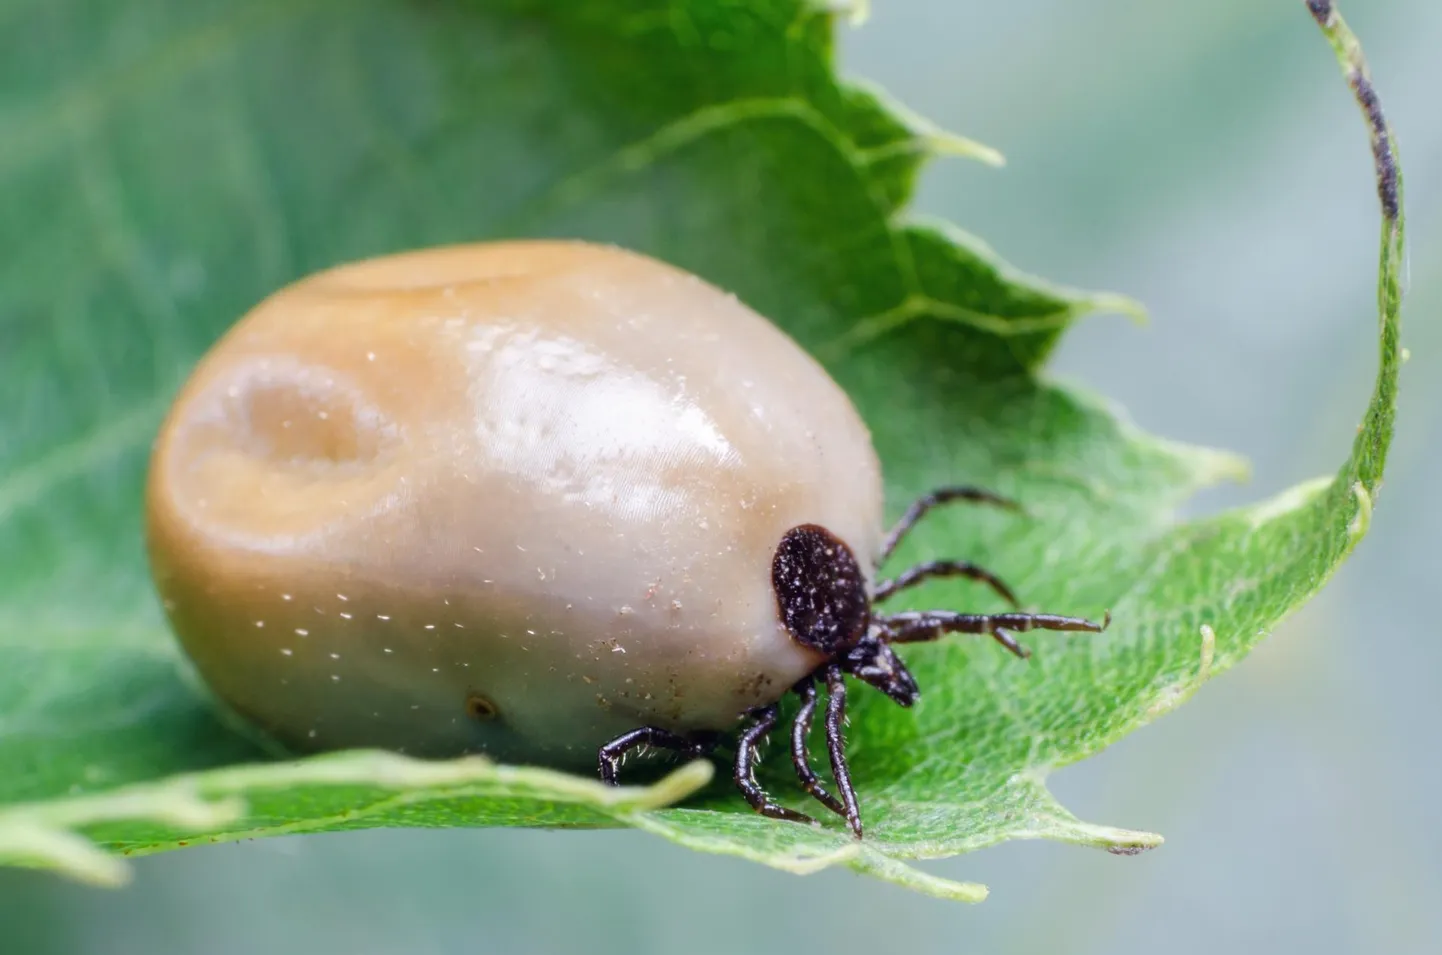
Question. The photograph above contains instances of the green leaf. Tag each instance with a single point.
(164, 165)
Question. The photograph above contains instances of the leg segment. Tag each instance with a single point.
(919, 627)
(926, 502)
(944, 568)
(836, 744)
(800, 758)
(610, 755)
(745, 773)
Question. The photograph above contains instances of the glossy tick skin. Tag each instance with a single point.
(548, 501)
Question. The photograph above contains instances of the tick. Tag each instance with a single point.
(548, 501)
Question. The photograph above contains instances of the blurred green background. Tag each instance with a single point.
(1207, 159)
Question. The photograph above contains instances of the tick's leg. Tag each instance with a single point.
(926, 502)
(611, 754)
(800, 758)
(944, 568)
(745, 775)
(836, 744)
(919, 627)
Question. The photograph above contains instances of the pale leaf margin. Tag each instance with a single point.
(49, 834)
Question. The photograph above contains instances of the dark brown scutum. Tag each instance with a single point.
(820, 590)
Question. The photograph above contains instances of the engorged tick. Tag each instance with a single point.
(573, 501)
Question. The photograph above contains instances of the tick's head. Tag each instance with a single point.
(872, 661)
(820, 590)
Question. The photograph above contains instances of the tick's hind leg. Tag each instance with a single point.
(610, 755)
(926, 502)
(800, 757)
(836, 744)
(745, 775)
(943, 568)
